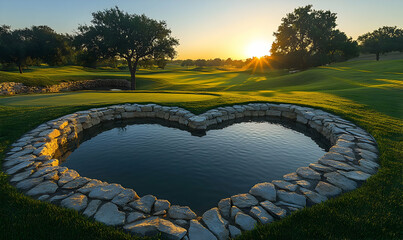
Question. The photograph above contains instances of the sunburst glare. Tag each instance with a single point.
(258, 49)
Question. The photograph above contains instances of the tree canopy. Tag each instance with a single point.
(38, 43)
(135, 38)
(383, 40)
(308, 37)
(187, 63)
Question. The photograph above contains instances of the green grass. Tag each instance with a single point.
(366, 92)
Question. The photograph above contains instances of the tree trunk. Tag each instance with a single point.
(133, 69)
(20, 68)
(377, 56)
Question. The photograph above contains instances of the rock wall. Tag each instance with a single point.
(12, 88)
(34, 169)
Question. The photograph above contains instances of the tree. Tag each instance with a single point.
(48, 46)
(307, 37)
(215, 62)
(135, 38)
(228, 61)
(341, 47)
(13, 47)
(39, 43)
(187, 63)
(200, 62)
(382, 40)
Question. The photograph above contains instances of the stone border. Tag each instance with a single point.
(34, 170)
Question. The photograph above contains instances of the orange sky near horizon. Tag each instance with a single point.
(209, 28)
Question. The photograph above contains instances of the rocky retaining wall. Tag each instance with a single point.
(34, 170)
(12, 88)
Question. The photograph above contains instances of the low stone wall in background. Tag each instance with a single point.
(12, 88)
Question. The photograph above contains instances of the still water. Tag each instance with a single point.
(195, 170)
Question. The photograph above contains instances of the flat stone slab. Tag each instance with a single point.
(91, 186)
(289, 205)
(284, 185)
(355, 175)
(291, 177)
(106, 192)
(76, 202)
(19, 167)
(21, 176)
(225, 207)
(153, 225)
(92, 208)
(327, 189)
(13, 161)
(308, 173)
(368, 147)
(60, 197)
(144, 204)
(76, 183)
(246, 222)
(292, 197)
(340, 181)
(313, 196)
(259, 213)
(124, 197)
(304, 184)
(336, 164)
(179, 212)
(134, 216)
(234, 211)
(265, 190)
(273, 209)
(198, 232)
(29, 183)
(109, 214)
(47, 187)
(161, 205)
(215, 223)
(346, 151)
(321, 168)
(68, 176)
(234, 231)
(44, 170)
(244, 200)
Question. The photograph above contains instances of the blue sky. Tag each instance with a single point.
(206, 28)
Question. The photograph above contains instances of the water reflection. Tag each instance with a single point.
(194, 168)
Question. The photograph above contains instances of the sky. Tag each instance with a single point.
(207, 28)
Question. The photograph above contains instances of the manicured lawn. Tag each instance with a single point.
(367, 92)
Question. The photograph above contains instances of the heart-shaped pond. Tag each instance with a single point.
(196, 170)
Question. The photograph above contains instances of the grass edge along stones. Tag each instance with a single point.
(350, 161)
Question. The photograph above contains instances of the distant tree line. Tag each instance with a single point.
(381, 41)
(113, 36)
(216, 62)
(31, 46)
(305, 38)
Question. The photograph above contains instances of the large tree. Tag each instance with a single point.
(48, 46)
(382, 40)
(13, 47)
(38, 43)
(135, 38)
(340, 47)
(307, 37)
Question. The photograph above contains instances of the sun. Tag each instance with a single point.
(258, 49)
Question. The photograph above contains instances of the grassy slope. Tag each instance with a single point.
(352, 89)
